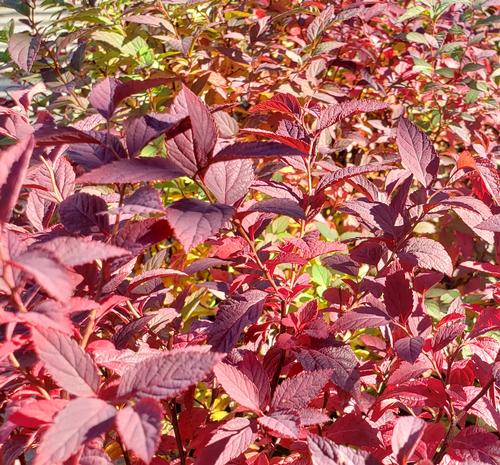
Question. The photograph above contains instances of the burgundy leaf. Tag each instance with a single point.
(106, 95)
(292, 142)
(278, 190)
(52, 181)
(80, 421)
(23, 49)
(151, 275)
(66, 362)
(366, 316)
(282, 424)
(192, 149)
(475, 446)
(334, 113)
(426, 253)
(447, 333)
(244, 150)
(283, 103)
(14, 162)
(285, 207)
(297, 392)
(145, 199)
(342, 263)
(488, 172)
(405, 437)
(61, 135)
(131, 171)
(409, 348)
(229, 442)
(232, 316)
(230, 180)
(168, 374)
(488, 320)
(353, 429)
(194, 221)
(48, 272)
(398, 295)
(239, 386)
(93, 456)
(325, 452)
(341, 361)
(74, 251)
(490, 224)
(140, 427)
(377, 216)
(84, 213)
(417, 153)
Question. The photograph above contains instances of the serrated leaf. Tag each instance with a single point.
(168, 374)
(426, 253)
(398, 296)
(283, 103)
(326, 452)
(140, 427)
(474, 445)
(66, 362)
(334, 113)
(83, 213)
(23, 49)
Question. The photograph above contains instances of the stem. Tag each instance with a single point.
(177, 432)
(88, 329)
(124, 451)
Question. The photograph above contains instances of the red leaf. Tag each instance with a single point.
(354, 430)
(298, 144)
(66, 362)
(342, 174)
(284, 103)
(192, 149)
(84, 213)
(366, 316)
(398, 295)
(131, 171)
(417, 153)
(285, 207)
(240, 387)
(405, 437)
(334, 113)
(282, 424)
(106, 95)
(140, 427)
(296, 393)
(426, 253)
(229, 442)
(488, 320)
(473, 445)
(325, 452)
(244, 150)
(409, 348)
(38, 413)
(80, 421)
(232, 316)
(230, 180)
(14, 162)
(168, 374)
(194, 221)
(74, 251)
(23, 49)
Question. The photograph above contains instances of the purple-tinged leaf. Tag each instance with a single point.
(168, 374)
(283, 103)
(319, 25)
(398, 295)
(80, 421)
(230, 180)
(285, 207)
(353, 429)
(426, 253)
(146, 200)
(340, 361)
(490, 224)
(239, 387)
(53, 181)
(292, 142)
(278, 190)
(140, 427)
(310, 246)
(282, 424)
(447, 333)
(229, 442)
(488, 172)
(66, 362)
(141, 130)
(366, 316)
(106, 95)
(94, 456)
(334, 113)
(474, 445)
(23, 49)
(84, 213)
(75, 251)
(131, 171)
(343, 174)
(417, 153)
(244, 150)
(342, 263)
(48, 273)
(194, 221)
(151, 275)
(232, 316)
(61, 135)
(377, 216)
(409, 348)
(325, 452)
(13, 165)
(406, 434)
(192, 149)
(204, 264)
(297, 392)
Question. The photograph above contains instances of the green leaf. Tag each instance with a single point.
(469, 67)
(416, 37)
(16, 5)
(410, 13)
(445, 72)
(422, 66)
(489, 20)
(320, 275)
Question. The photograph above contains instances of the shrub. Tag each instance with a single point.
(305, 276)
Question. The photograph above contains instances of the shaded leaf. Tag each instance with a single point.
(83, 213)
(409, 348)
(474, 445)
(426, 253)
(398, 295)
(325, 452)
(285, 207)
(243, 150)
(283, 103)
(334, 113)
(23, 49)
(405, 437)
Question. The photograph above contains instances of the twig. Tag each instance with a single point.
(177, 432)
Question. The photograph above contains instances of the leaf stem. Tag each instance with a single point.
(177, 432)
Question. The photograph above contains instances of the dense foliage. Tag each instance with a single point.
(250, 233)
